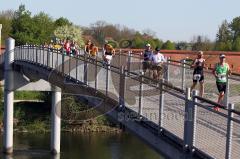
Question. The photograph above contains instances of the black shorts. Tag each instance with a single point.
(221, 86)
(200, 80)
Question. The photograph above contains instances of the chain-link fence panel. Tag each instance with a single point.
(173, 114)
(131, 95)
(235, 153)
(150, 103)
(211, 129)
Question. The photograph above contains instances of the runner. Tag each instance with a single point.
(108, 53)
(146, 65)
(198, 75)
(87, 46)
(157, 59)
(93, 50)
(221, 71)
(67, 47)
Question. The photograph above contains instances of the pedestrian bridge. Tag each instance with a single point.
(162, 114)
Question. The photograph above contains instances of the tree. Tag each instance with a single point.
(44, 27)
(71, 32)
(6, 21)
(235, 28)
(224, 37)
(236, 44)
(98, 33)
(62, 22)
(201, 43)
(22, 26)
(182, 45)
(168, 45)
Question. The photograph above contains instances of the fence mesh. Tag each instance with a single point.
(131, 95)
(211, 130)
(173, 119)
(236, 141)
(150, 103)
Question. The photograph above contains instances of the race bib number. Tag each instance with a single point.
(222, 77)
(197, 77)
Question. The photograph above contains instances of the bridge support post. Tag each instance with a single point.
(56, 120)
(85, 69)
(161, 105)
(167, 69)
(140, 95)
(8, 97)
(107, 79)
(228, 153)
(122, 87)
(190, 120)
(226, 96)
(129, 61)
(183, 74)
(0, 38)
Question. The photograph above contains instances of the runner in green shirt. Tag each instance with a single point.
(221, 71)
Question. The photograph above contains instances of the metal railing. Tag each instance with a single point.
(165, 106)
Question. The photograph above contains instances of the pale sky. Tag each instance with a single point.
(176, 20)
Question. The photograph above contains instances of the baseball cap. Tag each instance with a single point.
(157, 49)
(222, 56)
(148, 45)
(200, 52)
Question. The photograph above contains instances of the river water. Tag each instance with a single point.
(81, 146)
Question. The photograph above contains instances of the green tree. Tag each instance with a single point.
(236, 44)
(235, 28)
(72, 32)
(43, 28)
(224, 37)
(202, 43)
(168, 45)
(23, 26)
(62, 22)
(138, 41)
(6, 21)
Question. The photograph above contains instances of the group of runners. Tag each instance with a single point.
(108, 51)
(153, 64)
(221, 71)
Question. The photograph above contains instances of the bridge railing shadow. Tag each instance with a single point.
(163, 106)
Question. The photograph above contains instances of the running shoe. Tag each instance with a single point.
(216, 108)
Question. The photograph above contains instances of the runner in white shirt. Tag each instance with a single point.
(157, 60)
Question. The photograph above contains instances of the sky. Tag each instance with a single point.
(175, 20)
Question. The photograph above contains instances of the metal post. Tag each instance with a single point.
(63, 62)
(183, 74)
(122, 87)
(161, 104)
(167, 69)
(107, 80)
(56, 120)
(69, 65)
(229, 132)
(120, 60)
(190, 120)
(0, 39)
(36, 54)
(226, 96)
(48, 60)
(96, 74)
(8, 97)
(140, 94)
(76, 68)
(129, 61)
(85, 69)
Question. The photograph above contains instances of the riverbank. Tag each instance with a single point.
(31, 116)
